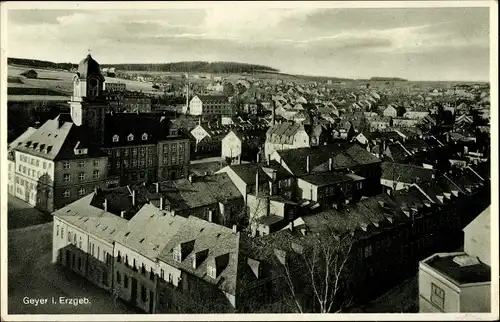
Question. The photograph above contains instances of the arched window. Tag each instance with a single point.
(130, 137)
(116, 138)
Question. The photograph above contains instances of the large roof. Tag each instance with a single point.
(217, 241)
(56, 139)
(344, 155)
(406, 172)
(90, 219)
(149, 231)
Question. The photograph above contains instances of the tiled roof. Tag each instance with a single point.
(325, 178)
(344, 155)
(218, 241)
(406, 173)
(92, 220)
(203, 191)
(247, 172)
(149, 231)
(213, 98)
(156, 127)
(283, 133)
(56, 139)
(23, 137)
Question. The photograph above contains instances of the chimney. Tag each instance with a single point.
(273, 118)
(330, 164)
(211, 218)
(235, 229)
(157, 187)
(268, 159)
(308, 160)
(258, 157)
(199, 121)
(133, 197)
(270, 188)
(122, 213)
(257, 183)
(105, 204)
(161, 203)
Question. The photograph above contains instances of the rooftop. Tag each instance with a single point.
(447, 265)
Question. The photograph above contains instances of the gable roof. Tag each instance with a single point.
(406, 173)
(56, 139)
(218, 240)
(344, 155)
(92, 220)
(149, 231)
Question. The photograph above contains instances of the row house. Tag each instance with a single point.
(83, 240)
(208, 105)
(145, 148)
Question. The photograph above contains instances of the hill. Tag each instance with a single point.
(194, 66)
(39, 63)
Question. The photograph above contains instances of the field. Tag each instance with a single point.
(62, 81)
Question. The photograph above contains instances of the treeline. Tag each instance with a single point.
(40, 63)
(194, 66)
(388, 79)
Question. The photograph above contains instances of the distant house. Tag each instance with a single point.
(30, 74)
(390, 111)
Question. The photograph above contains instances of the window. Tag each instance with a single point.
(96, 163)
(134, 152)
(174, 148)
(95, 174)
(66, 193)
(44, 165)
(81, 191)
(143, 294)
(130, 137)
(170, 278)
(144, 136)
(80, 242)
(125, 281)
(81, 176)
(437, 296)
(57, 231)
(368, 251)
(118, 278)
(125, 163)
(134, 163)
(74, 239)
(211, 271)
(81, 163)
(177, 256)
(93, 248)
(117, 164)
(62, 232)
(162, 274)
(125, 152)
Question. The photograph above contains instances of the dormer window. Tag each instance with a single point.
(144, 136)
(130, 137)
(116, 138)
(211, 271)
(177, 255)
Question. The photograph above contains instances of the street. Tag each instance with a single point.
(22, 214)
(32, 276)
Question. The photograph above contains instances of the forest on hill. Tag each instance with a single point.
(194, 66)
(183, 67)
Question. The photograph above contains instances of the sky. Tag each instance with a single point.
(413, 43)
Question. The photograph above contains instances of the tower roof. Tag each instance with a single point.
(89, 66)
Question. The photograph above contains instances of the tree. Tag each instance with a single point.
(228, 89)
(319, 271)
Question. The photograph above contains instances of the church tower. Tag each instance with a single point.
(88, 105)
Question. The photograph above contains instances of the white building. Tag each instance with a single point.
(459, 282)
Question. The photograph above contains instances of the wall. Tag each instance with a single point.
(257, 207)
(426, 276)
(476, 298)
(231, 146)
(143, 280)
(99, 262)
(75, 184)
(305, 190)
